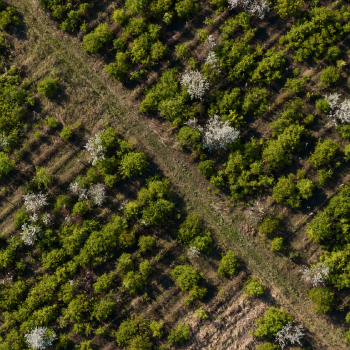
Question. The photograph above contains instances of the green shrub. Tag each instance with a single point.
(320, 228)
(67, 293)
(206, 168)
(103, 308)
(61, 202)
(119, 16)
(157, 212)
(330, 76)
(92, 177)
(254, 287)
(103, 283)
(156, 328)
(125, 264)
(322, 105)
(286, 8)
(189, 138)
(276, 244)
(344, 131)
(8, 17)
(181, 333)
(146, 243)
(228, 264)
(186, 8)
(94, 41)
(325, 152)
(268, 346)
(6, 164)
(133, 281)
(273, 321)
(81, 208)
(255, 102)
(110, 180)
(347, 317)
(145, 268)
(133, 163)
(322, 299)
(42, 177)
(322, 176)
(21, 217)
(347, 152)
(48, 87)
(347, 336)
(51, 122)
(182, 51)
(294, 86)
(269, 225)
(119, 68)
(66, 132)
(201, 314)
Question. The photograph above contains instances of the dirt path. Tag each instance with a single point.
(45, 48)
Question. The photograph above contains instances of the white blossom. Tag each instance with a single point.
(47, 219)
(332, 99)
(253, 7)
(316, 275)
(76, 189)
(290, 333)
(192, 123)
(34, 202)
(38, 338)
(218, 134)
(211, 41)
(213, 61)
(143, 223)
(97, 193)
(29, 233)
(68, 219)
(196, 83)
(258, 210)
(123, 204)
(95, 148)
(339, 111)
(34, 217)
(71, 282)
(3, 140)
(193, 252)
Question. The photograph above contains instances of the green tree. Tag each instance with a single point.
(62, 201)
(181, 333)
(330, 76)
(133, 281)
(66, 132)
(156, 328)
(6, 164)
(103, 308)
(269, 225)
(273, 321)
(322, 105)
(228, 264)
(186, 8)
(125, 264)
(254, 287)
(103, 283)
(48, 87)
(81, 208)
(146, 243)
(276, 244)
(119, 68)
(21, 216)
(325, 152)
(42, 177)
(145, 268)
(133, 163)
(286, 8)
(94, 41)
(206, 168)
(76, 308)
(322, 299)
(157, 212)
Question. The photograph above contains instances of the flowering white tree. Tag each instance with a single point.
(290, 333)
(211, 41)
(97, 193)
(218, 134)
(77, 190)
(196, 83)
(253, 7)
(34, 202)
(316, 275)
(193, 252)
(95, 148)
(38, 338)
(47, 219)
(213, 61)
(34, 217)
(340, 111)
(30, 233)
(3, 140)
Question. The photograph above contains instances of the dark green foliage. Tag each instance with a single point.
(330, 76)
(189, 138)
(67, 293)
(182, 51)
(325, 153)
(181, 333)
(157, 212)
(21, 217)
(92, 177)
(133, 281)
(126, 331)
(9, 17)
(294, 86)
(48, 87)
(269, 225)
(77, 308)
(225, 102)
(228, 264)
(322, 299)
(94, 41)
(42, 177)
(254, 287)
(272, 322)
(145, 268)
(286, 8)
(12, 296)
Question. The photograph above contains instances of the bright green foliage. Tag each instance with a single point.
(145, 268)
(61, 202)
(156, 328)
(110, 180)
(191, 234)
(77, 308)
(9, 17)
(51, 122)
(12, 296)
(294, 86)
(311, 36)
(272, 322)
(276, 244)
(269, 225)
(268, 346)
(135, 6)
(140, 342)
(126, 331)
(103, 283)
(228, 264)
(85, 345)
(119, 68)
(133, 281)
(188, 279)
(133, 209)
(159, 8)
(125, 264)
(189, 138)
(269, 69)
(254, 287)
(42, 177)
(45, 315)
(322, 299)
(6, 164)
(186, 8)
(103, 308)
(92, 177)
(325, 153)
(347, 336)
(320, 227)
(182, 51)
(225, 102)
(322, 176)
(255, 102)
(94, 41)
(53, 259)
(135, 26)
(201, 314)
(21, 217)
(347, 317)
(67, 293)
(66, 132)
(157, 212)
(181, 333)
(344, 131)
(286, 8)
(347, 152)
(81, 208)
(330, 76)
(146, 243)
(48, 87)
(220, 5)
(133, 163)
(322, 105)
